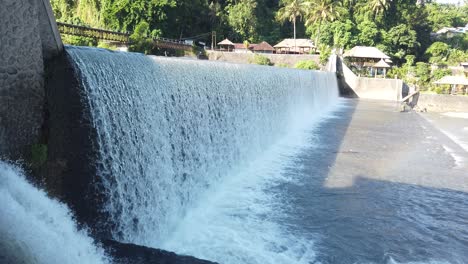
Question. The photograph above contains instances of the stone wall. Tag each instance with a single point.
(443, 103)
(246, 58)
(22, 74)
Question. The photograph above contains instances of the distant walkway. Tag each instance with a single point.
(119, 37)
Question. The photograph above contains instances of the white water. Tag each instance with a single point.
(37, 229)
(189, 148)
(240, 221)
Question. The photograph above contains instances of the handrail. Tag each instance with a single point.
(103, 34)
(409, 96)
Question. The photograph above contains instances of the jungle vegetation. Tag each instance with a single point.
(400, 28)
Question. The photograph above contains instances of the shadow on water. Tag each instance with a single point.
(371, 221)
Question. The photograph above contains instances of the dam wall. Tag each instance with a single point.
(28, 36)
(168, 127)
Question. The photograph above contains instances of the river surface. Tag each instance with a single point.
(380, 187)
(373, 185)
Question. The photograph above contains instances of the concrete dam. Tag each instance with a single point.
(116, 157)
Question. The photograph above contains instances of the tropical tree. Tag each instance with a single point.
(320, 12)
(242, 18)
(438, 52)
(379, 6)
(291, 10)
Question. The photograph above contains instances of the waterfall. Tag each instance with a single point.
(169, 130)
(37, 229)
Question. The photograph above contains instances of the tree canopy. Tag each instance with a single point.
(398, 27)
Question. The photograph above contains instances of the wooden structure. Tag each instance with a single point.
(456, 82)
(295, 46)
(465, 68)
(381, 65)
(364, 59)
(263, 47)
(119, 37)
(226, 45)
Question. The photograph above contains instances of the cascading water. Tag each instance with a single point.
(37, 229)
(170, 131)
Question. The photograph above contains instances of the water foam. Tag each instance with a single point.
(242, 220)
(37, 229)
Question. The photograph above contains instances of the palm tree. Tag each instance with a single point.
(379, 6)
(291, 10)
(320, 11)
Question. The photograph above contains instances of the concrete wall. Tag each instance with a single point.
(22, 73)
(373, 88)
(379, 89)
(287, 59)
(443, 103)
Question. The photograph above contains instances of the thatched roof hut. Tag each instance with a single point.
(263, 47)
(295, 46)
(366, 53)
(453, 80)
(226, 44)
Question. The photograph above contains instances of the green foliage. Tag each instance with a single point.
(325, 52)
(140, 40)
(241, 17)
(282, 65)
(368, 33)
(443, 15)
(438, 52)
(401, 40)
(105, 45)
(307, 65)
(457, 56)
(410, 59)
(441, 89)
(437, 74)
(321, 13)
(261, 60)
(423, 73)
(79, 41)
(397, 27)
(291, 11)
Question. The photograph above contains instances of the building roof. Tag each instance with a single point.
(453, 80)
(263, 46)
(239, 46)
(226, 42)
(445, 30)
(366, 52)
(381, 64)
(242, 46)
(300, 43)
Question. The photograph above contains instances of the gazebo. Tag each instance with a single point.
(367, 57)
(454, 81)
(381, 65)
(226, 44)
(295, 46)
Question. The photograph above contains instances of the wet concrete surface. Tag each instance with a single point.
(381, 186)
(455, 126)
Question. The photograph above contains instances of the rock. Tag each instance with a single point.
(135, 254)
